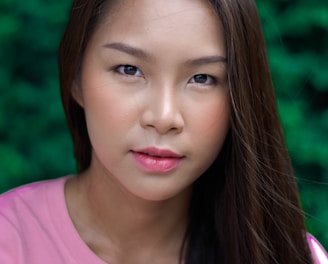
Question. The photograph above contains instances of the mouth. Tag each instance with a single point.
(157, 160)
(159, 153)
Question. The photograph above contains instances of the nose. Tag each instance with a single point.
(163, 112)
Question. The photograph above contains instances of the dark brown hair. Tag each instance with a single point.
(245, 207)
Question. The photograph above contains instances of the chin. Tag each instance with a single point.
(160, 195)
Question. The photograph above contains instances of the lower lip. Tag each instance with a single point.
(156, 164)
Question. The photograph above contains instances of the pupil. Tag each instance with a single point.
(131, 70)
(201, 78)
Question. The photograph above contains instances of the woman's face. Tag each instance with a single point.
(153, 87)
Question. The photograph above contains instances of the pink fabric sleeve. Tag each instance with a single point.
(319, 254)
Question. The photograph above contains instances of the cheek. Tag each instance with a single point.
(211, 123)
(212, 120)
(101, 110)
(105, 102)
(110, 116)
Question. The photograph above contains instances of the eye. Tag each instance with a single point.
(129, 70)
(203, 79)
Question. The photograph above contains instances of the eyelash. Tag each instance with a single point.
(123, 69)
(209, 79)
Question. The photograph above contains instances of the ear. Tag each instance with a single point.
(77, 94)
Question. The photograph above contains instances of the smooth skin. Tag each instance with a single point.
(153, 75)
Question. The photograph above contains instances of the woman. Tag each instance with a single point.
(181, 157)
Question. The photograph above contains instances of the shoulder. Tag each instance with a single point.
(21, 200)
(35, 227)
(24, 213)
(319, 254)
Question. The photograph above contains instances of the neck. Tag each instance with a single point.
(114, 220)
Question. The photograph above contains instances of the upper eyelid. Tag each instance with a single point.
(214, 79)
(115, 68)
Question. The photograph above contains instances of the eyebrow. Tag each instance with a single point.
(206, 60)
(136, 52)
(139, 53)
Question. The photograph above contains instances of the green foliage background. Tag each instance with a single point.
(34, 139)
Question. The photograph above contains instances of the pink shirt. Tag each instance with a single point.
(35, 228)
(319, 254)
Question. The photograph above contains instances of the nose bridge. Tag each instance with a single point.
(165, 102)
(164, 111)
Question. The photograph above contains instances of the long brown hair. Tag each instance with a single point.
(245, 208)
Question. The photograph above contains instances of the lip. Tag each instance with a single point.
(157, 160)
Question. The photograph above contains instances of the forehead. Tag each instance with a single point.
(143, 22)
(157, 8)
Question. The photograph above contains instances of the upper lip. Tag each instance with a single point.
(163, 153)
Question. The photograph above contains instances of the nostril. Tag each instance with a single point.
(162, 123)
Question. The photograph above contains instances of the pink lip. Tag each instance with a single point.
(157, 160)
